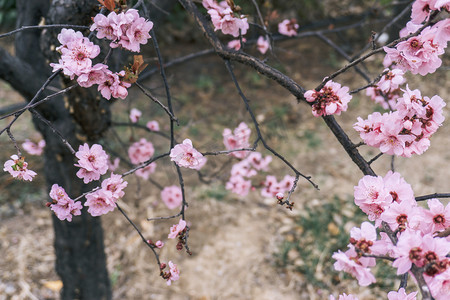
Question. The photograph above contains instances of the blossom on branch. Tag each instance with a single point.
(33, 148)
(288, 27)
(185, 155)
(331, 99)
(93, 162)
(18, 168)
(172, 196)
(224, 18)
(176, 229)
(62, 205)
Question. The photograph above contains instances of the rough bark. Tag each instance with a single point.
(80, 116)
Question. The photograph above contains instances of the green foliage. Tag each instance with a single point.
(8, 13)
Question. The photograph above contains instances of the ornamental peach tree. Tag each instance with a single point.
(84, 181)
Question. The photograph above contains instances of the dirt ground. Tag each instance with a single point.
(235, 242)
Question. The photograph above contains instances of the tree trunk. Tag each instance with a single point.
(80, 117)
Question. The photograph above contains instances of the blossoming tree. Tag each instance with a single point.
(80, 173)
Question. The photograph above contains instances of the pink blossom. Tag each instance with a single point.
(386, 100)
(62, 205)
(401, 295)
(159, 244)
(437, 218)
(33, 148)
(365, 240)
(404, 214)
(398, 188)
(140, 151)
(18, 168)
(224, 19)
(125, 29)
(176, 229)
(113, 86)
(185, 155)
(440, 285)
(174, 273)
(391, 80)
(358, 267)
(288, 27)
(153, 125)
(331, 99)
(135, 114)
(115, 184)
(238, 185)
(93, 162)
(67, 36)
(76, 57)
(409, 250)
(95, 75)
(371, 196)
(262, 44)
(243, 168)
(272, 187)
(100, 202)
(258, 162)
(236, 44)
(172, 196)
(237, 139)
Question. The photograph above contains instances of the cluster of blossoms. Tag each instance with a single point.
(237, 139)
(391, 200)
(104, 199)
(408, 129)
(288, 27)
(62, 205)
(33, 148)
(245, 169)
(172, 196)
(226, 18)
(387, 91)
(178, 231)
(420, 54)
(125, 29)
(18, 168)
(186, 156)
(76, 60)
(140, 152)
(331, 99)
(93, 162)
(274, 188)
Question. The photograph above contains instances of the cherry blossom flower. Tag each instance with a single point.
(135, 114)
(409, 250)
(365, 240)
(437, 218)
(386, 100)
(331, 99)
(100, 202)
(172, 196)
(440, 285)
(403, 215)
(357, 266)
(140, 151)
(18, 168)
(125, 29)
(95, 75)
(401, 295)
(33, 148)
(115, 184)
(237, 139)
(93, 162)
(62, 205)
(272, 187)
(371, 196)
(159, 244)
(153, 125)
(224, 19)
(174, 273)
(391, 80)
(236, 44)
(262, 44)
(113, 86)
(238, 185)
(185, 155)
(288, 27)
(256, 160)
(176, 229)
